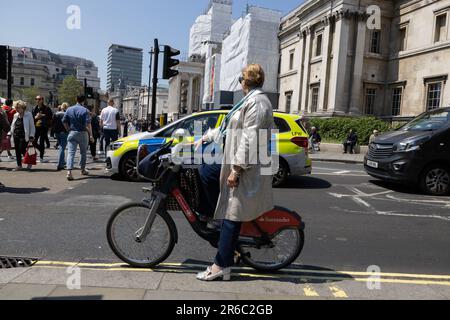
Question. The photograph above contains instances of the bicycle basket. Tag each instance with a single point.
(190, 187)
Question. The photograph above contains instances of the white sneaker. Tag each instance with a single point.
(43, 161)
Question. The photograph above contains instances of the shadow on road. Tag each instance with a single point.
(24, 190)
(306, 182)
(294, 273)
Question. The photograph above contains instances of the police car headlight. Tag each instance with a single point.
(116, 146)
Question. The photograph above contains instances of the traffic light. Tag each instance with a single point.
(89, 92)
(169, 63)
(3, 62)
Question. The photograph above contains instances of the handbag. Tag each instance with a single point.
(30, 157)
(6, 143)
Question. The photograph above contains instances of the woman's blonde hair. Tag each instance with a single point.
(64, 106)
(20, 105)
(253, 76)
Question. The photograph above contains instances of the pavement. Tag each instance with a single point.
(364, 240)
(337, 157)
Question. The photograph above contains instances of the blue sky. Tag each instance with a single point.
(42, 24)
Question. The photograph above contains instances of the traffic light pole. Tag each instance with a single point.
(10, 63)
(149, 84)
(155, 86)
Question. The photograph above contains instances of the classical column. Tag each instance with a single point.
(357, 83)
(191, 94)
(337, 99)
(306, 71)
(297, 102)
(323, 101)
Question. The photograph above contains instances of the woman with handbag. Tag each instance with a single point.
(22, 131)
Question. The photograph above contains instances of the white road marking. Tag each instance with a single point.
(1, 219)
(425, 201)
(392, 214)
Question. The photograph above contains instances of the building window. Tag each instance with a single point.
(12, 80)
(375, 41)
(434, 95)
(288, 101)
(32, 82)
(319, 44)
(314, 99)
(371, 95)
(440, 33)
(402, 39)
(22, 81)
(291, 59)
(397, 101)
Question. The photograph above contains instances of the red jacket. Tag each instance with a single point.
(10, 112)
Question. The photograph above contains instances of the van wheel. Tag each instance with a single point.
(435, 180)
(128, 167)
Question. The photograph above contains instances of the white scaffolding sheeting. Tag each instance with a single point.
(200, 32)
(253, 39)
(211, 27)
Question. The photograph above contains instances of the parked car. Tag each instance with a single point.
(292, 137)
(416, 154)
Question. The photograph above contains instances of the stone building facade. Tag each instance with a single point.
(335, 63)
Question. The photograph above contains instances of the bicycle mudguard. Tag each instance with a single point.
(272, 222)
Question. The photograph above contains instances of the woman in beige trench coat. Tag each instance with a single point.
(245, 180)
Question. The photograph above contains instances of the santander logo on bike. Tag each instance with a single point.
(279, 220)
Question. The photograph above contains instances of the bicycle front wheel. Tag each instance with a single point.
(123, 226)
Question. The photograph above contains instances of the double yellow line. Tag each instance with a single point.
(299, 274)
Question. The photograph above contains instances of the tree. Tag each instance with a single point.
(69, 90)
(28, 95)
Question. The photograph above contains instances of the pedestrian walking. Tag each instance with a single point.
(4, 128)
(78, 123)
(95, 123)
(5, 142)
(245, 194)
(61, 135)
(43, 117)
(110, 122)
(23, 132)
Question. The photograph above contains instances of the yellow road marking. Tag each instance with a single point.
(298, 274)
(338, 292)
(310, 292)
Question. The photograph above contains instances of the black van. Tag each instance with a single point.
(417, 153)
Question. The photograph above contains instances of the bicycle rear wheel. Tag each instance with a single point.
(121, 231)
(287, 246)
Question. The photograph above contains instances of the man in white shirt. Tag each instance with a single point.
(110, 122)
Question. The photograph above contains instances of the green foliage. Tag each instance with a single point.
(337, 129)
(69, 90)
(28, 95)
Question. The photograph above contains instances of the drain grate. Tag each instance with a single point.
(9, 262)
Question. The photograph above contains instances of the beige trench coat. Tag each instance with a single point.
(254, 196)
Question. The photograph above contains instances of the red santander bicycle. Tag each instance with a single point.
(143, 234)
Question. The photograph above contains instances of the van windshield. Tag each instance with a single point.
(429, 121)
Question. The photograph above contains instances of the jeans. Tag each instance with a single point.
(61, 137)
(93, 147)
(74, 140)
(20, 145)
(209, 195)
(110, 136)
(40, 139)
(229, 236)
